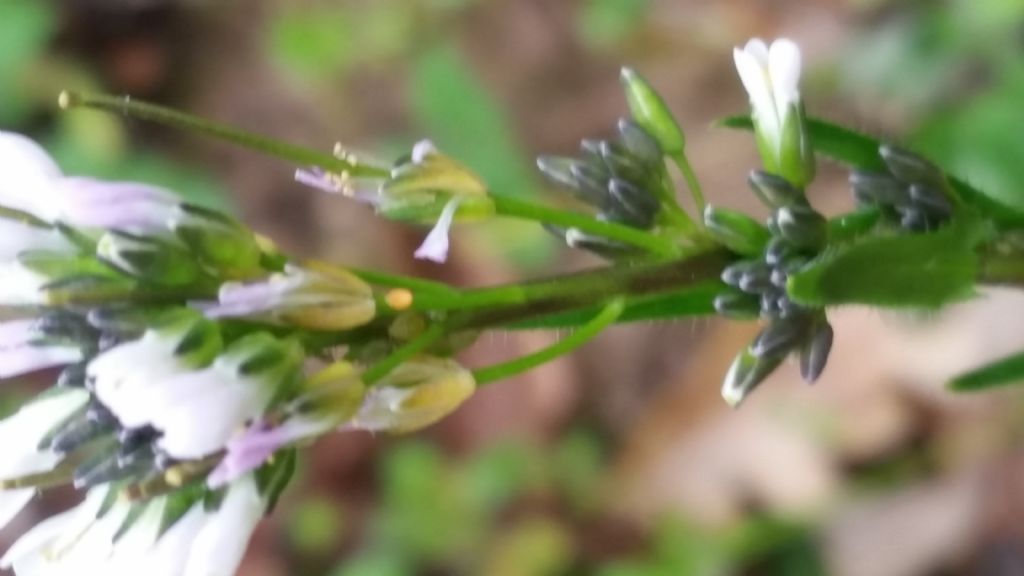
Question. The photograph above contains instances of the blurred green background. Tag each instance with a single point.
(621, 460)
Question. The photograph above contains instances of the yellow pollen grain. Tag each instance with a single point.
(174, 477)
(398, 298)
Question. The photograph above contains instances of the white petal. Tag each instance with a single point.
(125, 375)
(17, 332)
(219, 547)
(223, 411)
(758, 49)
(12, 502)
(37, 538)
(784, 69)
(28, 175)
(17, 237)
(20, 286)
(435, 245)
(754, 75)
(421, 150)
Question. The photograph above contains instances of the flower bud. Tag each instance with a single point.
(802, 227)
(775, 191)
(771, 77)
(651, 113)
(640, 143)
(911, 167)
(779, 337)
(736, 231)
(746, 372)
(217, 241)
(815, 350)
(315, 297)
(415, 395)
(737, 305)
(156, 261)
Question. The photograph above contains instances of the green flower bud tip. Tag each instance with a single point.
(156, 261)
(218, 241)
(746, 372)
(651, 113)
(802, 226)
(815, 351)
(736, 231)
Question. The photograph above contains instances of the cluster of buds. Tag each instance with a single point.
(795, 233)
(623, 179)
(182, 341)
(911, 193)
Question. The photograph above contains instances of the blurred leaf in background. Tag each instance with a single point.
(25, 29)
(605, 23)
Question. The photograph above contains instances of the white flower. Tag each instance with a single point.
(21, 285)
(145, 383)
(21, 434)
(199, 543)
(33, 183)
(771, 77)
(21, 353)
(124, 378)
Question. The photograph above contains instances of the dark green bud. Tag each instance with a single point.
(736, 231)
(557, 169)
(780, 337)
(802, 227)
(733, 273)
(815, 350)
(640, 143)
(910, 167)
(650, 112)
(737, 305)
(931, 200)
(636, 204)
(777, 250)
(775, 191)
(872, 188)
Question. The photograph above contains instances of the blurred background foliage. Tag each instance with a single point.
(620, 461)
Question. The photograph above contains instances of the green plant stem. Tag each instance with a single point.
(515, 208)
(502, 305)
(398, 281)
(403, 353)
(175, 119)
(692, 182)
(602, 320)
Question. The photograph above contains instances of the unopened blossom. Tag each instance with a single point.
(33, 183)
(771, 77)
(315, 297)
(413, 396)
(21, 434)
(198, 542)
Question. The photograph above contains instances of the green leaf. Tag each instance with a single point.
(604, 23)
(274, 477)
(861, 151)
(694, 301)
(913, 270)
(1003, 372)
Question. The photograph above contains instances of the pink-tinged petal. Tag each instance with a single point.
(17, 332)
(319, 179)
(127, 206)
(784, 68)
(257, 444)
(25, 359)
(435, 245)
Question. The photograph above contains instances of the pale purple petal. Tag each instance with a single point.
(17, 332)
(20, 360)
(257, 444)
(317, 178)
(236, 299)
(435, 245)
(127, 206)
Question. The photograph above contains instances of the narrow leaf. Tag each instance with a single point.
(1003, 372)
(916, 271)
